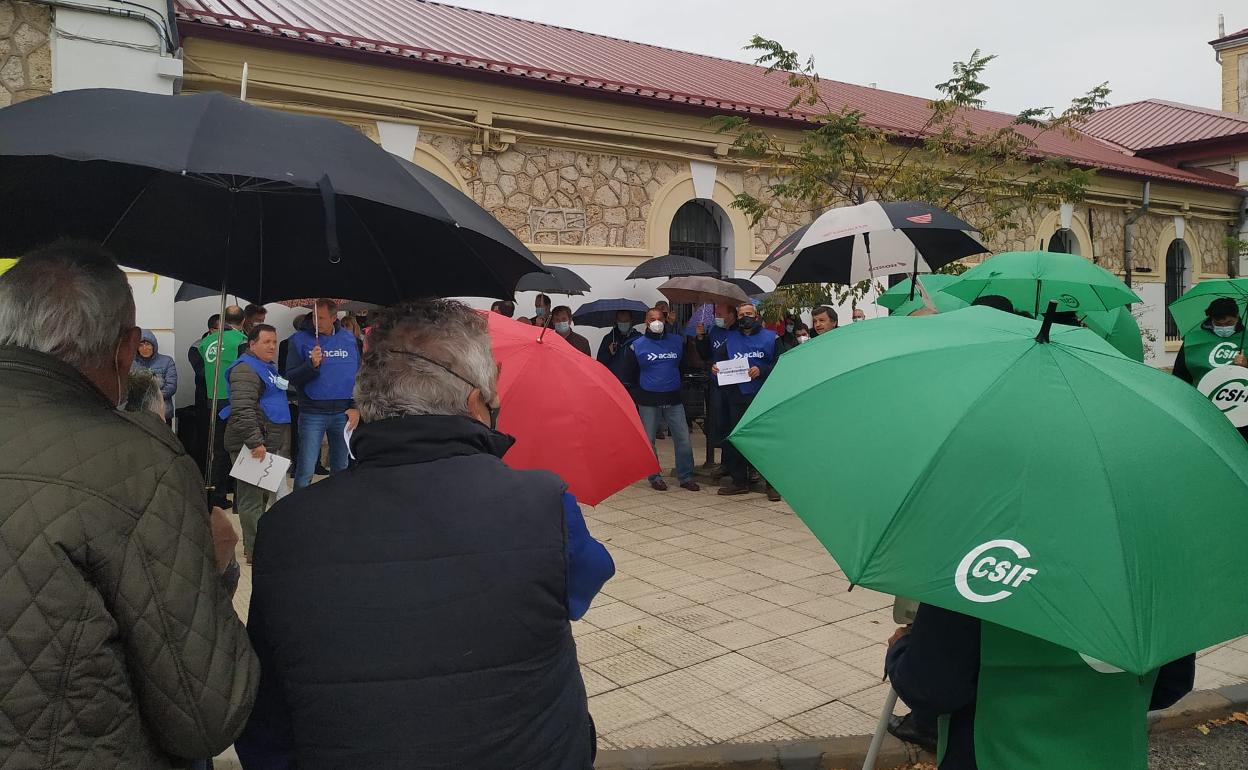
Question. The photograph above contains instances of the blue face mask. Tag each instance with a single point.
(722, 323)
(539, 312)
(1224, 331)
(624, 327)
(563, 327)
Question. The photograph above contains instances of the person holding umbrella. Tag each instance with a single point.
(322, 362)
(1217, 341)
(613, 349)
(561, 320)
(749, 340)
(654, 364)
(541, 310)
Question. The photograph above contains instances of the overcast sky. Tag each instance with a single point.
(1048, 51)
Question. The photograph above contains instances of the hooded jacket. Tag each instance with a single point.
(119, 646)
(163, 367)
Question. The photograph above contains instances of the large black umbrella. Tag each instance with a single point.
(749, 287)
(672, 266)
(602, 312)
(260, 203)
(850, 244)
(559, 280)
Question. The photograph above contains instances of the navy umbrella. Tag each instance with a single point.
(672, 266)
(601, 312)
(251, 201)
(559, 280)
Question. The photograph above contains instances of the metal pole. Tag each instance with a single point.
(209, 486)
(881, 729)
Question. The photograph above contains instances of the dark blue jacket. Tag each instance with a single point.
(163, 367)
(430, 629)
(328, 388)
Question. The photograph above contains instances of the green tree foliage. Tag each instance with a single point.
(987, 175)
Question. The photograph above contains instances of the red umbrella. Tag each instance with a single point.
(568, 413)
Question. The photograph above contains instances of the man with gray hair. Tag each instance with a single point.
(119, 647)
(414, 609)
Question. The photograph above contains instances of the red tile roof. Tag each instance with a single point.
(432, 34)
(1153, 123)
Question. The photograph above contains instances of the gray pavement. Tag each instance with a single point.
(1224, 748)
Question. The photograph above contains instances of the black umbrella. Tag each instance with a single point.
(749, 287)
(560, 280)
(601, 312)
(256, 202)
(850, 244)
(672, 266)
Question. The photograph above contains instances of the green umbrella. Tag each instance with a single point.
(1118, 328)
(898, 300)
(1058, 489)
(1188, 311)
(1032, 279)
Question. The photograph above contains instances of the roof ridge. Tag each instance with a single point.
(1201, 110)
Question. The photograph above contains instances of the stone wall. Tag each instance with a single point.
(25, 54)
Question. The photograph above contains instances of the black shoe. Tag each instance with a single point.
(691, 485)
(734, 489)
(321, 470)
(772, 494)
(659, 485)
(908, 730)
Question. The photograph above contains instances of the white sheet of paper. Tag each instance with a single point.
(346, 436)
(734, 371)
(266, 473)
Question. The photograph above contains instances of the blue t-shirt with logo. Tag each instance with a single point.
(759, 348)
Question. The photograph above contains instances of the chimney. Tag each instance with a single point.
(1221, 26)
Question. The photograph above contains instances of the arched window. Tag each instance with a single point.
(695, 233)
(1065, 241)
(1178, 280)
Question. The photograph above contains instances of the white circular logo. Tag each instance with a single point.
(1223, 353)
(1226, 387)
(982, 565)
(210, 355)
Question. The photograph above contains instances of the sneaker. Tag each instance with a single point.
(659, 485)
(734, 489)
(772, 494)
(691, 485)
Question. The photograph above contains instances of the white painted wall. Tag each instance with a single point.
(93, 50)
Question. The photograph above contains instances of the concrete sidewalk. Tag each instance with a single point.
(727, 622)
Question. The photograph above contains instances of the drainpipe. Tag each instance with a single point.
(1132, 218)
(1241, 224)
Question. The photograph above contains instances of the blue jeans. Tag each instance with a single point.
(312, 426)
(674, 416)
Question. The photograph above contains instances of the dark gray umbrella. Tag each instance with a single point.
(702, 289)
(559, 280)
(248, 200)
(672, 266)
(747, 286)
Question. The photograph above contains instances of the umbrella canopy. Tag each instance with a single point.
(853, 243)
(701, 289)
(1032, 279)
(557, 280)
(568, 413)
(601, 312)
(672, 266)
(899, 301)
(263, 204)
(1028, 493)
(1188, 311)
(746, 285)
(1119, 328)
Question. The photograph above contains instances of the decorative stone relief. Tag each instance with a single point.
(25, 54)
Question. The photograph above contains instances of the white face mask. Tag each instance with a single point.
(1224, 331)
(656, 327)
(563, 327)
(802, 338)
(722, 323)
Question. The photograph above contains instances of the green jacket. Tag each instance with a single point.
(119, 646)
(232, 340)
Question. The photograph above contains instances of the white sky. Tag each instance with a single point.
(1048, 51)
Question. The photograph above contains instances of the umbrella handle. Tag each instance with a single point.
(881, 729)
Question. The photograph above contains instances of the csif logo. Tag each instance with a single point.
(1230, 394)
(661, 356)
(981, 564)
(210, 355)
(1069, 301)
(1223, 353)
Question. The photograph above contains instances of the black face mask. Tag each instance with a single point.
(747, 323)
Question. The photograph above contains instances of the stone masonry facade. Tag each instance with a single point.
(557, 196)
(25, 53)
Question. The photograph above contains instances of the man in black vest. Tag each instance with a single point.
(413, 610)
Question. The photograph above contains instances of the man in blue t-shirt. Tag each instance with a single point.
(653, 362)
(749, 340)
(322, 362)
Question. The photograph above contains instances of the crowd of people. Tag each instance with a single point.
(433, 631)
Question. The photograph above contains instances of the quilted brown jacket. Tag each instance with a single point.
(119, 647)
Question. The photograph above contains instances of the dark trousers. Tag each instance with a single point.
(717, 417)
(219, 474)
(734, 461)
